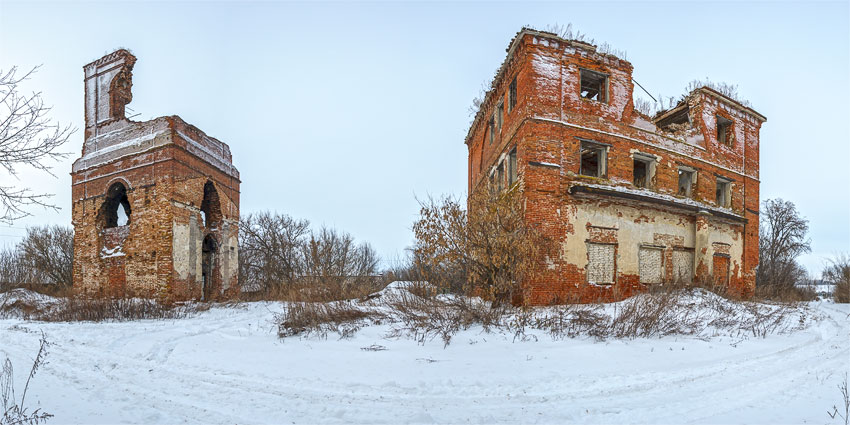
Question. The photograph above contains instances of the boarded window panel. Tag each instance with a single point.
(649, 261)
(600, 266)
(721, 270)
(683, 266)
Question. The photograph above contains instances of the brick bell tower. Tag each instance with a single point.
(155, 203)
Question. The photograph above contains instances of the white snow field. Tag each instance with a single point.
(227, 365)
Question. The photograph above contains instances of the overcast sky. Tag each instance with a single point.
(344, 113)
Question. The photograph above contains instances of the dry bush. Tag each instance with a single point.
(80, 308)
(342, 317)
(15, 412)
(787, 294)
(340, 268)
(837, 272)
(49, 252)
(484, 251)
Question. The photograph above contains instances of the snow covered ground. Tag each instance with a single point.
(227, 365)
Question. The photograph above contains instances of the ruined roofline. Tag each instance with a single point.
(121, 52)
(731, 102)
(512, 46)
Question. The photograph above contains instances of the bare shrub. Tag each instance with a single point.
(837, 272)
(310, 318)
(80, 308)
(485, 251)
(49, 252)
(15, 412)
(13, 272)
(785, 293)
(335, 267)
(845, 395)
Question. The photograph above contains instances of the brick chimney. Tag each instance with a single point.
(108, 81)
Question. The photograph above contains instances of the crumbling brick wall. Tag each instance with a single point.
(170, 176)
(548, 128)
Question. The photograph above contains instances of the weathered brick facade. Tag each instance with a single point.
(175, 185)
(631, 200)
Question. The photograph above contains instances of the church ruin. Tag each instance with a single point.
(155, 203)
(632, 200)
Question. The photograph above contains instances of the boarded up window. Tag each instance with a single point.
(600, 266)
(649, 261)
(683, 266)
(721, 270)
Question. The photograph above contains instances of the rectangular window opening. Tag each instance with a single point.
(686, 181)
(592, 160)
(723, 193)
(512, 95)
(724, 130)
(500, 116)
(492, 127)
(512, 170)
(594, 85)
(500, 177)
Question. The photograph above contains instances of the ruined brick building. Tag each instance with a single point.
(631, 200)
(155, 203)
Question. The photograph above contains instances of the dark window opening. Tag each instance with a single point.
(500, 177)
(116, 209)
(594, 85)
(208, 251)
(512, 171)
(500, 116)
(210, 206)
(512, 95)
(492, 127)
(686, 180)
(724, 130)
(723, 192)
(640, 173)
(592, 160)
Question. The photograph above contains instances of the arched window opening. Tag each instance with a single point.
(210, 206)
(116, 209)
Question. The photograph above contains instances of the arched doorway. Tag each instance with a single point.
(209, 250)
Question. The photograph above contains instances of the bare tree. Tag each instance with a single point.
(270, 250)
(837, 272)
(27, 138)
(783, 238)
(49, 252)
(487, 250)
(334, 263)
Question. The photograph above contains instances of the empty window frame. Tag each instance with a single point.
(643, 171)
(512, 168)
(512, 95)
(687, 178)
(724, 192)
(492, 128)
(594, 85)
(500, 116)
(593, 159)
(724, 130)
(500, 176)
(600, 263)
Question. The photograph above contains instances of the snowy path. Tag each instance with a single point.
(228, 366)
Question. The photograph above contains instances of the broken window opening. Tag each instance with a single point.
(512, 95)
(723, 193)
(675, 119)
(500, 177)
(644, 171)
(594, 85)
(686, 181)
(116, 208)
(724, 130)
(210, 206)
(209, 248)
(593, 159)
(512, 169)
(492, 127)
(500, 113)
